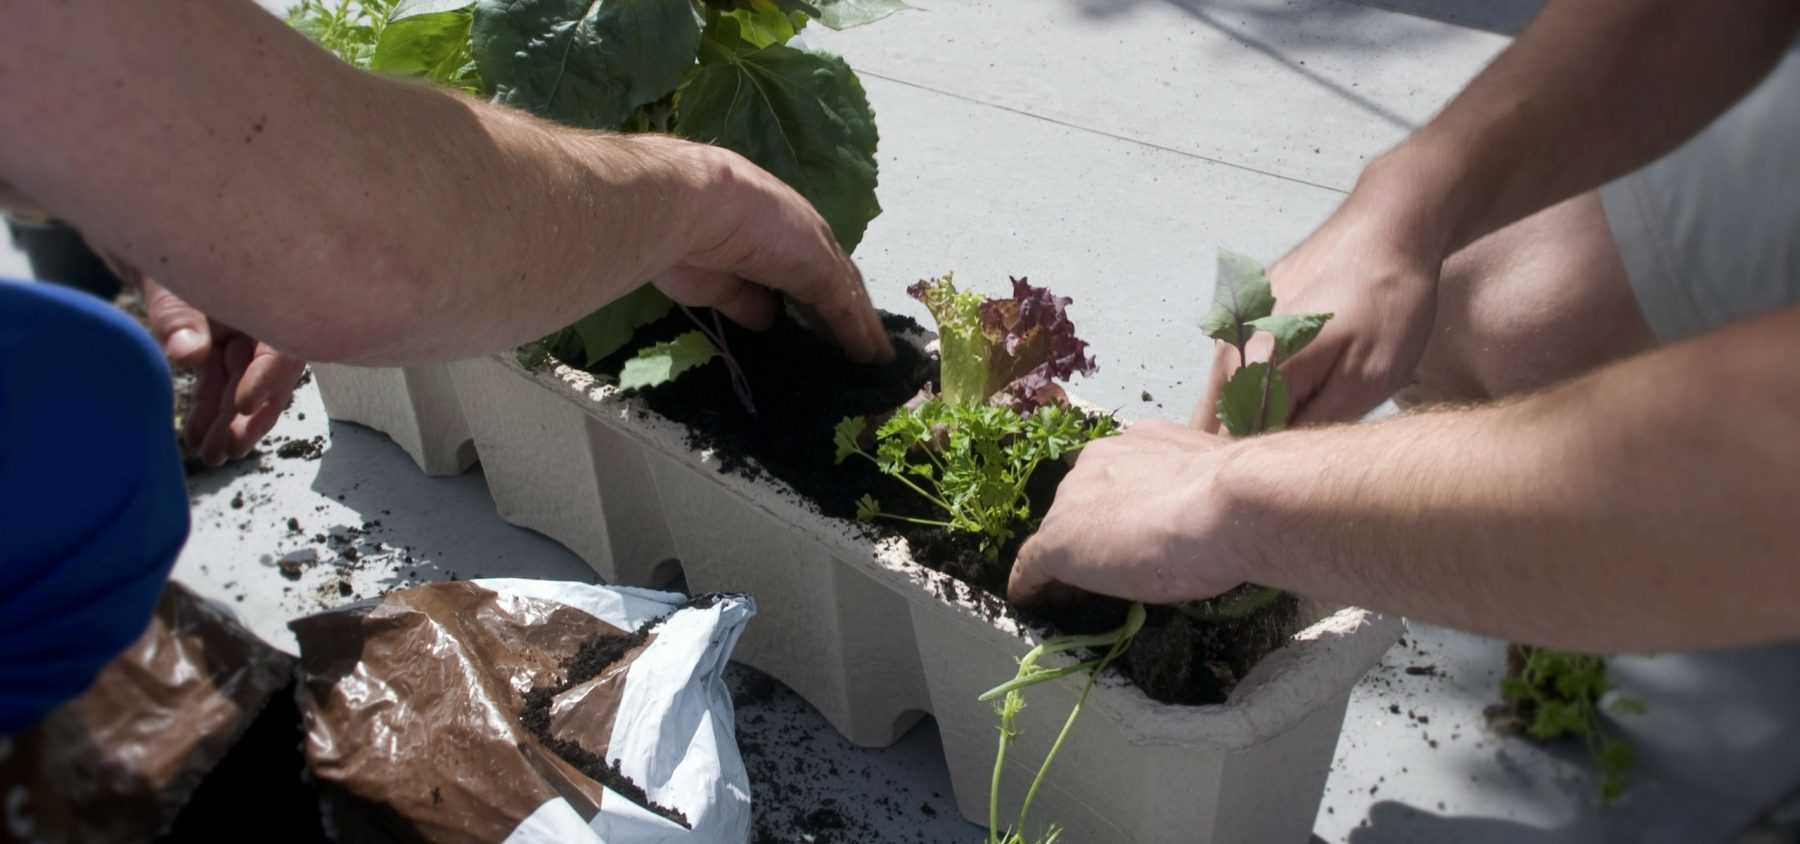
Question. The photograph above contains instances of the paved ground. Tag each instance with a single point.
(1105, 148)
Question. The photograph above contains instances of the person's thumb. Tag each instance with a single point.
(179, 328)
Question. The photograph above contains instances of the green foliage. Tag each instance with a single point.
(664, 362)
(429, 39)
(603, 332)
(973, 463)
(1011, 350)
(1013, 701)
(583, 63)
(1559, 694)
(350, 29)
(1256, 398)
(801, 116)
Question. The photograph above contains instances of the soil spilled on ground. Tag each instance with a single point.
(802, 386)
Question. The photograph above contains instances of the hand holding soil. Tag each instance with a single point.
(244, 385)
(1136, 519)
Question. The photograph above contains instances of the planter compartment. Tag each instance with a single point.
(873, 639)
(414, 406)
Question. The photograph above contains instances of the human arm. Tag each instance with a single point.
(1645, 506)
(345, 217)
(1588, 92)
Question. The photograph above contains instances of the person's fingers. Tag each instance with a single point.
(179, 328)
(216, 447)
(269, 378)
(248, 429)
(1033, 579)
(749, 305)
(209, 399)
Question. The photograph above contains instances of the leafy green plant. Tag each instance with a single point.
(1256, 398)
(714, 71)
(972, 462)
(1013, 350)
(1557, 694)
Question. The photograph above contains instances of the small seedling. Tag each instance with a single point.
(972, 463)
(1559, 694)
(1012, 700)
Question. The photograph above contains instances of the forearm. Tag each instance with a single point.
(331, 212)
(1646, 506)
(1592, 90)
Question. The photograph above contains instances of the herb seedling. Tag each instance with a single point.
(1558, 694)
(971, 462)
(1012, 701)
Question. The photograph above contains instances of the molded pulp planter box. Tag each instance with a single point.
(875, 640)
(415, 406)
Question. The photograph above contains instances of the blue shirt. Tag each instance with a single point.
(93, 507)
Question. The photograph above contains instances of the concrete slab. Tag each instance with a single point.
(1305, 90)
(1127, 230)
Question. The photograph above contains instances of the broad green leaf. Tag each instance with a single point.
(430, 45)
(607, 330)
(664, 362)
(844, 14)
(1246, 408)
(1292, 332)
(801, 116)
(1241, 295)
(585, 63)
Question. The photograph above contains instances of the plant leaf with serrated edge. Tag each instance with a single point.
(584, 63)
(867, 508)
(607, 330)
(1242, 399)
(844, 14)
(801, 116)
(764, 24)
(1292, 332)
(1241, 295)
(664, 362)
(846, 434)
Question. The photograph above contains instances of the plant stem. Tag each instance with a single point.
(1269, 376)
(740, 384)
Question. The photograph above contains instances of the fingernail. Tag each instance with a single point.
(184, 343)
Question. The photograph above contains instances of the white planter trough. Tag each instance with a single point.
(875, 640)
(415, 406)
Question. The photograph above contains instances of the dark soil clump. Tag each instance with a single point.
(593, 657)
(803, 386)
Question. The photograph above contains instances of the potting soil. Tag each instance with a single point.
(802, 386)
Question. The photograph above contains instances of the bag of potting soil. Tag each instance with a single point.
(119, 763)
(526, 711)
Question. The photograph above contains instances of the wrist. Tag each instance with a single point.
(1419, 190)
(1237, 532)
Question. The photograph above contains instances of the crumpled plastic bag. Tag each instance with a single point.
(118, 763)
(445, 713)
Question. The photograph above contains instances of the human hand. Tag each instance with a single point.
(1138, 518)
(1374, 266)
(243, 385)
(766, 238)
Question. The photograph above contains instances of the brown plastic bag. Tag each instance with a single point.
(118, 763)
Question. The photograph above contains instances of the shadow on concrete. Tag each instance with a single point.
(1392, 822)
(442, 528)
(1263, 28)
